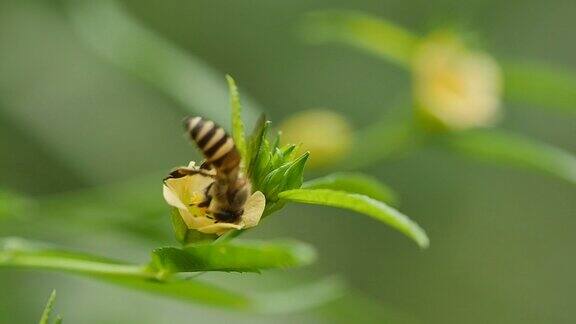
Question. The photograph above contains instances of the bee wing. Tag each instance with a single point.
(188, 171)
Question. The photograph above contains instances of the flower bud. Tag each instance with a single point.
(455, 86)
(325, 134)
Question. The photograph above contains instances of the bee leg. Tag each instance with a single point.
(205, 165)
(205, 203)
(208, 198)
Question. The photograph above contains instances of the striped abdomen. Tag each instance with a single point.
(217, 146)
(228, 194)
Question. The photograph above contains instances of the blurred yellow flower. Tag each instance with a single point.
(186, 189)
(454, 85)
(325, 134)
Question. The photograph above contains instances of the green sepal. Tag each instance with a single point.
(238, 133)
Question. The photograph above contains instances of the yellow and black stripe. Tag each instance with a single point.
(216, 145)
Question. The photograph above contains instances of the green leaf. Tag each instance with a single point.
(540, 85)
(373, 35)
(45, 318)
(361, 204)
(19, 253)
(514, 150)
(233, 256)
(237, 124)
(354, 183)
(125, 43)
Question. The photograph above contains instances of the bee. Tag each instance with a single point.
(226, 196)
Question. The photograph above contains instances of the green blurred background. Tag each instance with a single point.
(500, 238)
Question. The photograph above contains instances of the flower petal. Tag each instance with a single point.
(455, 85)
(195, 219)
(219, 228)
(253, 209)
(172, 198)
(188, 189)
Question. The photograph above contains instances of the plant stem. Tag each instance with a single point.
(24, 257)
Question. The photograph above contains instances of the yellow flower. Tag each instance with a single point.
(326, 134)
(186, 188)
(454, 85)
